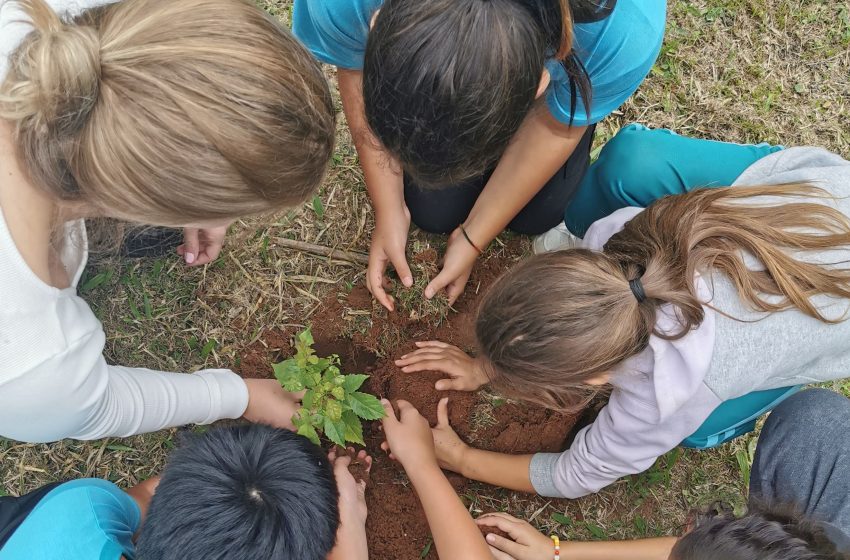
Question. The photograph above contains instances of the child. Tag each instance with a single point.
(236, 492)
(798, 505)
(189, 113)
(698, 300)
(445, 99)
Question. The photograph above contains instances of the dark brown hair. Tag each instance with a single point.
(447, 83)
(774, 532)
(559, 320)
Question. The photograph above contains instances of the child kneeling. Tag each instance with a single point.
(245, 491)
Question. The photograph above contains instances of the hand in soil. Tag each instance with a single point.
(389, 241)
(466, 373)
(269, 404)
(524, 542)
(408, 436)
(352, 492)
(450, 449)
(458, 262)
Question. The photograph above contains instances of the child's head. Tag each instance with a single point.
(447, 83)
(169, 113)
(764, 534)
(243, 491)
(556, 325)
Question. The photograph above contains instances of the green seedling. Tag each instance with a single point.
(332, 404)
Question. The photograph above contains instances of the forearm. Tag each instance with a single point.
(456, 535)
(498, 469)
(540, 148)
(645, 549)
(351, 542)
(382, 173)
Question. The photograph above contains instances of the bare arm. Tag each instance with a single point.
(498, 469)
(455, 533)
(385, 184)
(538, 150)
(409, 441)
(524, 542)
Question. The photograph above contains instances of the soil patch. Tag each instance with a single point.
(368, 339)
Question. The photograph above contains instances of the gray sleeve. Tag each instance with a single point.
(626, 438)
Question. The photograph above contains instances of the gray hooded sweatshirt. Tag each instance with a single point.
(664, 394)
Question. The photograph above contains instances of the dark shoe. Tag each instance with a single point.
(150, 242)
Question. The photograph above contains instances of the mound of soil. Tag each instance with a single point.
(368, 339)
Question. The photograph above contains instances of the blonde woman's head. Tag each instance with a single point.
(168, 112)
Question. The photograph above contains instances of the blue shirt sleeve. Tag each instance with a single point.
(618, 52)
(87, 519)
(335, 31)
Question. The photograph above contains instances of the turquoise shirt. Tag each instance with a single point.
(618, 52)
(87, 519)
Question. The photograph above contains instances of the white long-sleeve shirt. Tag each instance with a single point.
(54, 380)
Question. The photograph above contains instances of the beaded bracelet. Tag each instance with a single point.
(557, 542)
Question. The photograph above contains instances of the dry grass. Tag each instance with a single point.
(734, 70)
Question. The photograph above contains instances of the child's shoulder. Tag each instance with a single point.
(335, 31)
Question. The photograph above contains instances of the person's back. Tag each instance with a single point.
(755, 350)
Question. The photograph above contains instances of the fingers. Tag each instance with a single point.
(390, 419)
(191, 245)
(434, 344)
(505, 545)
(500, 515)
(443, 413)
(375, 281)
(399, 262)
(455, 289)
(439, 282)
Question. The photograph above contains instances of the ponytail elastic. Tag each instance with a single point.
(637, 289)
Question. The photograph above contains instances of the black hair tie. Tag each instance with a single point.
(637, 289)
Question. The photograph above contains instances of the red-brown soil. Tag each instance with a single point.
(357, 330)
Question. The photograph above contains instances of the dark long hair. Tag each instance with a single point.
(767, 532)
(447, 83)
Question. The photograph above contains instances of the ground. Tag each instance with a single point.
(733, 70)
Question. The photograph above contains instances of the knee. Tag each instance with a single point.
(629, 163)
(812, 407)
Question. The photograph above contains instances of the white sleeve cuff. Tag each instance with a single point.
(228, 394)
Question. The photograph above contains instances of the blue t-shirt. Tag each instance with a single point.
(617, 52)
(87, 519)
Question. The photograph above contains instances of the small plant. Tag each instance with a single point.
(332, 404)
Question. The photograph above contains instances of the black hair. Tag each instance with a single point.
(767, 532)
(447, 83)
(243, 492)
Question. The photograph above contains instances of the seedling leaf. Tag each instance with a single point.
(366, 406)
(335, 431)
(354, 382)
(353, 427)
(309, 432)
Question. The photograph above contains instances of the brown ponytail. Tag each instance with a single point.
(557, 321)
(565, 48)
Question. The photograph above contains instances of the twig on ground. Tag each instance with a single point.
(321, 250)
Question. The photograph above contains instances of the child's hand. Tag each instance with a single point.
(202, 246)
(352, 493)
(450, 449)
(466, 373)
(351, 535)
(526, 542)
(269, 404)
(408, 437)
(458, 262)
